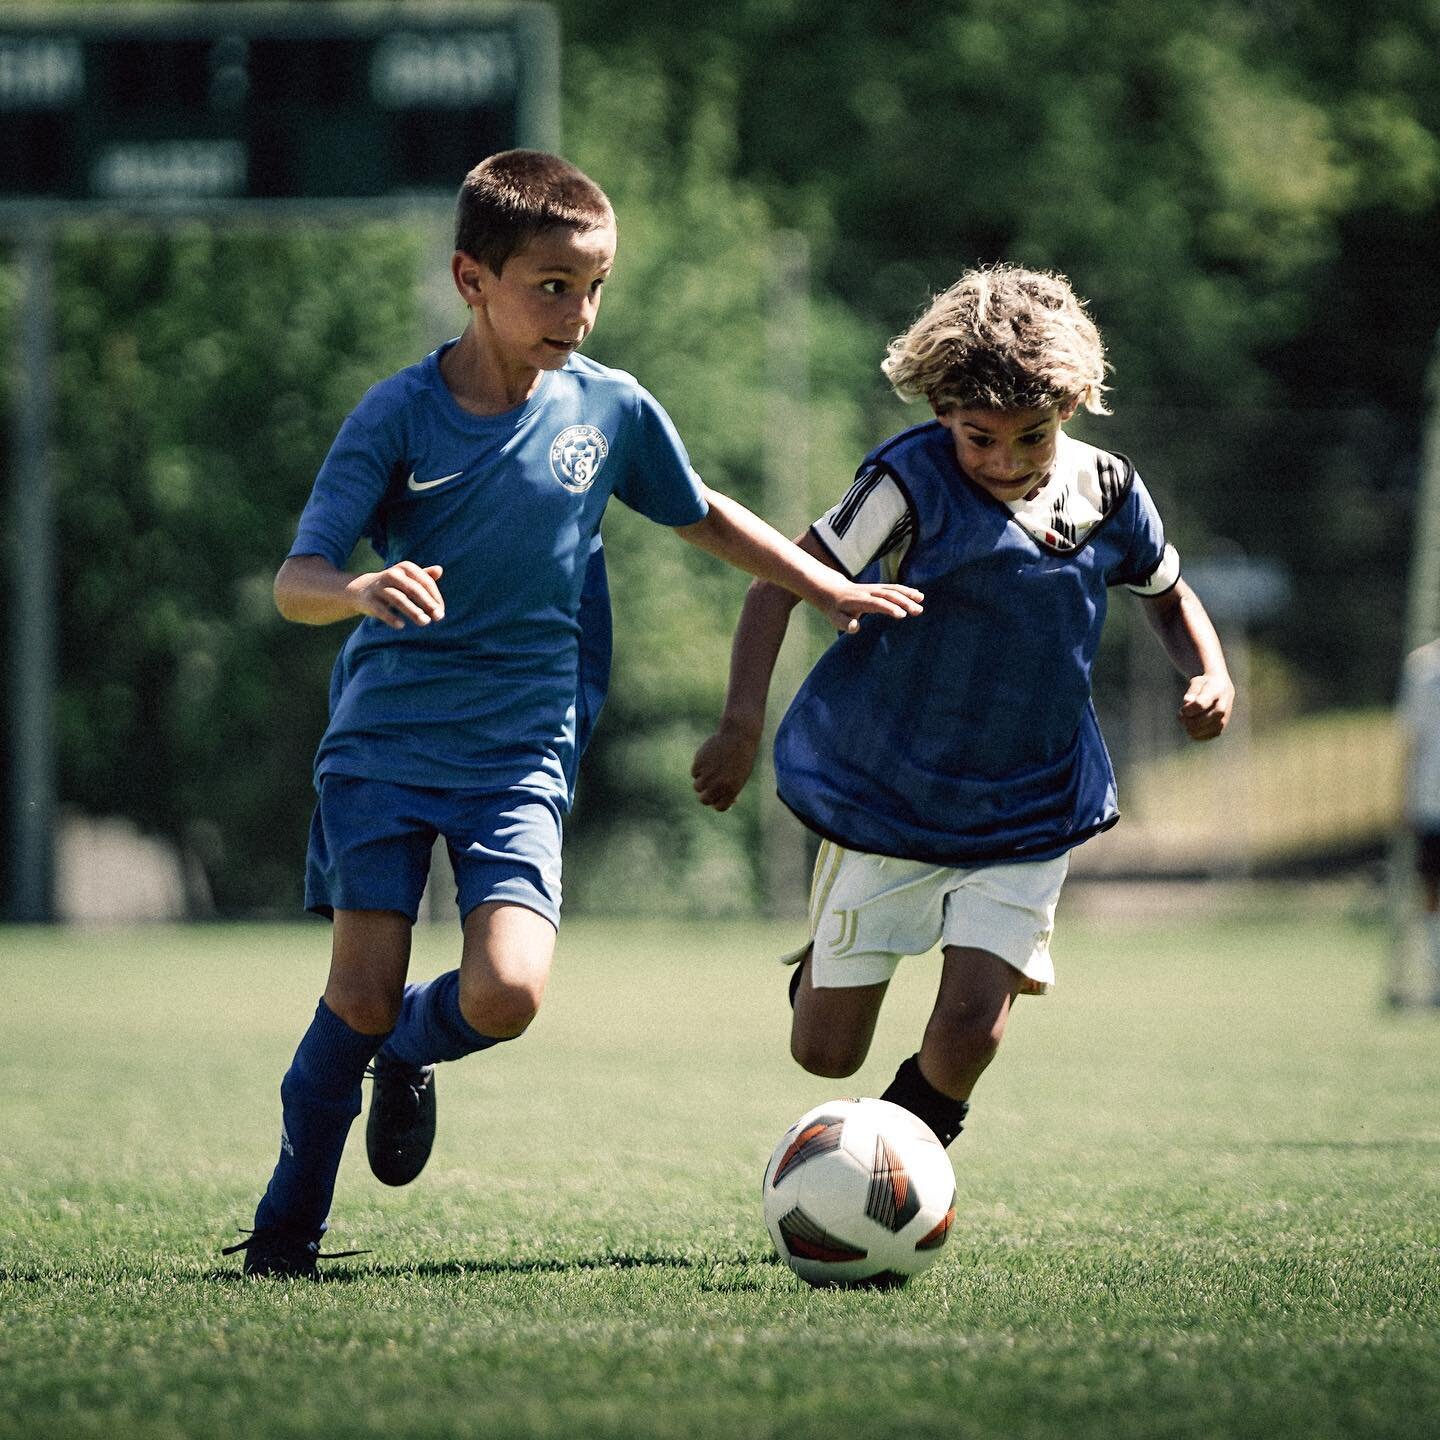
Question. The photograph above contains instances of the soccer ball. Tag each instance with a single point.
(859, 1192)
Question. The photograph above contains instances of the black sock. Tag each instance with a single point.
(946, 1117)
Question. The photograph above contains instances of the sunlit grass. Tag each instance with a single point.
(1198, 1198)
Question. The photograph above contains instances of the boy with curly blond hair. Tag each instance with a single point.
(950, 764)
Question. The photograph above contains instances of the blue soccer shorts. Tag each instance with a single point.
(371, 842)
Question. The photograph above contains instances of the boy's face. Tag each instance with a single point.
(543, 304)
(1006, 452)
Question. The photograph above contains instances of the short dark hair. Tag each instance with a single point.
(508, 199)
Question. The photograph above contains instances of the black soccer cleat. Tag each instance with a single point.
(282, 1255)
(400, 1129)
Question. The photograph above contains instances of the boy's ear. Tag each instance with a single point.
(1069, 407)
(470, 276)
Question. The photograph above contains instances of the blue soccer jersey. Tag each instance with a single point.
(966, 735)
(501, 693)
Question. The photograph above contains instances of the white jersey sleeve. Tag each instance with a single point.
(872, 523)
(1165, 574)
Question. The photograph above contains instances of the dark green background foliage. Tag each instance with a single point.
(1248, 194)
(199, 376)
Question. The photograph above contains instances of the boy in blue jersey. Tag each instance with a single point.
(950, 764)
(460, 704)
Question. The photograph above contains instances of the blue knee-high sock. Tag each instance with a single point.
(319, 1098)
(431, 1027)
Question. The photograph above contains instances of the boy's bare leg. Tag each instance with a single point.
(492, 997)
(968, 1022)
(832, 1029)
(961, 1038)
(369, 955)
(504, 967)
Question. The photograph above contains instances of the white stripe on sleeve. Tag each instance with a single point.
(871, 521)
(1165, 574)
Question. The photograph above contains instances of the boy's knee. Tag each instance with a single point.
(821, 1055)
(500, 1008)
(370, 1011)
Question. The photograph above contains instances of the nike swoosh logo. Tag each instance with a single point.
(415, 484)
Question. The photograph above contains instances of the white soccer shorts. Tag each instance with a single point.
(868, 911)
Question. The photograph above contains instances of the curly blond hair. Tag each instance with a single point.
(1001, 338)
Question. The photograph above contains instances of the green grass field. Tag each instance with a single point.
(1198, 1197)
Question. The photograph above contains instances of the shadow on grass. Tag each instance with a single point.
(720, 1271)
(1399, 1143)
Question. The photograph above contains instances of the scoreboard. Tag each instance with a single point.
(216, 108)
(207, 104)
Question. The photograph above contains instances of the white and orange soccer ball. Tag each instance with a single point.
(859, 1192)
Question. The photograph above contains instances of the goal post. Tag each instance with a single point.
(1422, 624)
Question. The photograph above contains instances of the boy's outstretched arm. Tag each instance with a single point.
(309, 589)
(723, 763)
(744, 540)
(1179, 619)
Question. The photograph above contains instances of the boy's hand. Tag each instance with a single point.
(1205, 710)
(400, 595)
(723, 764)
(731, 532)
(846, 601)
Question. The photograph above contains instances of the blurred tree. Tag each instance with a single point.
(201, 377)
(1248, 193)
(685, 312)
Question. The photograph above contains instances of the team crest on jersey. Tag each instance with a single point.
(576, 455)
